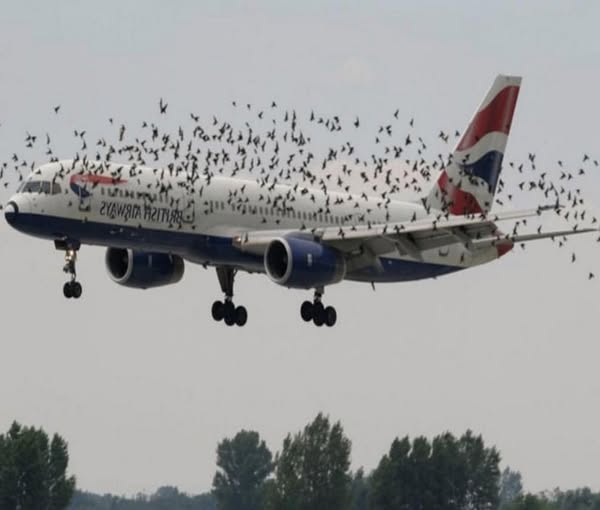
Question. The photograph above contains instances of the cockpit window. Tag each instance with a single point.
(32, 187)
(45, 187)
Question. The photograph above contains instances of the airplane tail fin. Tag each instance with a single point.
(468, 183)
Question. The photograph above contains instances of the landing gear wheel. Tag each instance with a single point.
(76, 289)
(68, 293)
(72, 288)
(318, 314)
(241, 315)
(218, 311)
(229, 313)
(226, 310)
(306, 311)
(330, 316)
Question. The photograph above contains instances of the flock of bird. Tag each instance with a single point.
(280, 146)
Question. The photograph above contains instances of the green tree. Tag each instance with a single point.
(313, 469)
(511, 487)
(483, 472)
(530, 502)
(165, 498)
(577, 499)
(359, 491)
(244, 464)
(33, 470)
(448, 474)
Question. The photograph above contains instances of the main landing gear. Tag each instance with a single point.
(72, 288)
(225, 310)
(317, 312)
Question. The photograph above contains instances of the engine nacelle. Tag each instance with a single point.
(303, 263)
(143, 270)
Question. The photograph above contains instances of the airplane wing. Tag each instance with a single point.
(409, 237)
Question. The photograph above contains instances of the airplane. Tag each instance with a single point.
(152, 220)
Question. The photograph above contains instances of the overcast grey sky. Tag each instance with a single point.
(144, 384)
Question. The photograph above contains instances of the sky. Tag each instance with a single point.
(143, 384)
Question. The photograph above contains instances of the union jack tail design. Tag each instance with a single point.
(468, 182)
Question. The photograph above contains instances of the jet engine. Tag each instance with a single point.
(303, 263)
(142, 270)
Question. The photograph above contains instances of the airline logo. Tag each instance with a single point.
(469, 182)
(495, 118)
(83, 184)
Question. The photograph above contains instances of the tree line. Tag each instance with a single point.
(311, 471)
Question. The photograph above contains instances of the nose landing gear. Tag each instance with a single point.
(72, 288)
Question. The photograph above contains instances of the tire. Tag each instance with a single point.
(76, 290)
(241, 315)
(229, 313)
(67, 292)
(218, 311)
(318, 314)
(330, 316)
(306, 311)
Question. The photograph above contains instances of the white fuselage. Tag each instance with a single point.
(197, 218)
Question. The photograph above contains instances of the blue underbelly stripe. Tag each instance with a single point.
(200, 248)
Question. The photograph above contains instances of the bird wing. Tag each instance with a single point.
(408, 237)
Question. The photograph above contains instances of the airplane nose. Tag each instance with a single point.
(11, 211)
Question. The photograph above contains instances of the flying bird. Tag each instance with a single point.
(162, 106)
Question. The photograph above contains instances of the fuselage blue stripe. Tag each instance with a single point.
(200, 248)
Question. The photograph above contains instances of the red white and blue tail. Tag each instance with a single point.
(468, 183)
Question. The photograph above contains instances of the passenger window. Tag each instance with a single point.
(56, 188)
